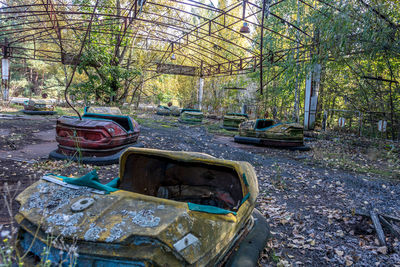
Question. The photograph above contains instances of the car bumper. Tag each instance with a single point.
(39, 112)
(95, 159)
(268, 142)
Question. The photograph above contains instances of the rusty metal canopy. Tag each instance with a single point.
(202, 35)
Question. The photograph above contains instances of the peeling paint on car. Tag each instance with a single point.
(116, 232)
(93, 233)
(143, 218)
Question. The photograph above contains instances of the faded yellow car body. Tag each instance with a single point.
(115, 237)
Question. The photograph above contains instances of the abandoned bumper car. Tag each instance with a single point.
(267, 132)
(191, 116)
(166, 111)
(99, 138)
(166, 209)
(232, 121)
(38, 107)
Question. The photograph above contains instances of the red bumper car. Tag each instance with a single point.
(99, 138)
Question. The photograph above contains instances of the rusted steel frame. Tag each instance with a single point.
(204, 55)
(258, 25)
(191, 57)
(16, 48)
(199, 5)
(54, 21)
(242, 72)
(253, 12)
(46, 55)
(177, 9)
(169, 18)
(41, 59)
(145, 20)
(209, 21)
(196, 29)
(148, 34)
(236, 23)
(39, 54)
(213, 36)
(234, 63)
(127, 25)
(29, 35)
(173, 26)
(262, 44)
(212, 52)
(196, 51)
(219, 38)
(271, 5)
(181, 19)
(39, 22)
(24, 23)
(76, 65)
(202, 47)
(125, 9)
(39, 28)
(231, 29)
(109, 33)
(228, 72)
(252, 58)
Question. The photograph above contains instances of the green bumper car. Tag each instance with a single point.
(166, 111)
(163, 110)
(38, 107)
(267, 132)
(232, 121)
(191, 116)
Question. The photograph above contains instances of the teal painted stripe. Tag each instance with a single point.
(91, 180)
(209, 209)
(245, 180)
(246, 197)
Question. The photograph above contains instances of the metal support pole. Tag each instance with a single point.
(200, 93)
(264, 7)
(261, 47)
(5, 70)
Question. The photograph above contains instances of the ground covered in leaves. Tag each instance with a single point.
(309, 198)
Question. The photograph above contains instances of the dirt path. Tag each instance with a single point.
(309, 207)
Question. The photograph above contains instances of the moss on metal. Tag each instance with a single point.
(233, 120)
(272, 133)
(191, 116)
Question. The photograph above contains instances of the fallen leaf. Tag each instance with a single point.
(339, 252)
(382, 250)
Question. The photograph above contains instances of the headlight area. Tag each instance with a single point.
(38, 251)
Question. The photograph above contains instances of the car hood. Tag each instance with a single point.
(234, 117)
(119, 217)
(84, 123)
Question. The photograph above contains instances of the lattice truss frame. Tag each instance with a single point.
(54, 30)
